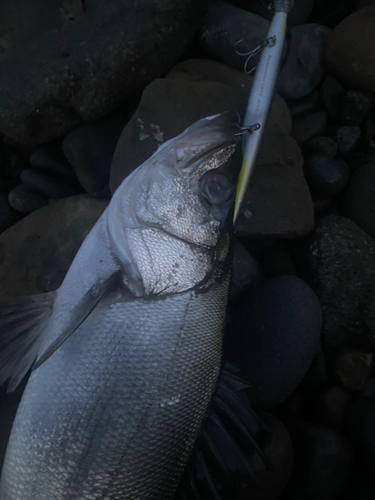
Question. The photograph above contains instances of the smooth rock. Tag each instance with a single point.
(13, 164)
(25, 200)
(303, 68)
(278, 450)
(341, 258)
(316, 378)
(8, 216)
(320, 145)
(277, 203)
(360, 418)
(305, 106)
(46, 184)
(87, 66)
(298, 15)
(246, 271)
(331, 406)
(50, 159)
(275, 336)
(326, 175)
(228, 30)
(348, 139)
(332, 94)
(89, 149)
(368, 128)
(352, 368)
(324, 462)
(354, 107)
(346, 54)
(358, 202)
(44, 241)
(278, 261)
(309, 126)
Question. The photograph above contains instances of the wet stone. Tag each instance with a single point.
(348, 139)
(354, 107)
(320, 145)
(26, 200)
(309, 126)
(352, 368)
(47, 185)
(326, 175)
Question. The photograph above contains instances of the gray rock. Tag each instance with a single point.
(278, 450)
(309, 126)
(50, 159)
(73, 70)
(298, 15)
(46, 184)
(278, 261)
(352, 368)
(320, 145)
(326, 175)
(13, 163)
(89, 149)
(348, 139)
(355, 106)
(332, 94)
(246, 272)
(275, 336)
(48, 238)
(306, 105)
(324, 462)
(25, 200)
(358, 202)
(303, 68)
(228, 30)
(331, 406)
(360, 418)
(277, 203)
(8, 216)
(342, 265)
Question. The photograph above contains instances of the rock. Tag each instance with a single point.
(82, 68)
(325, 175)
(323, 205)
(348, 139)
(368, 128)
(352, 368)
(331, 406)
(369, 389)
(277, 261)
(345, 55)
(320, 145)
(246, 273)
(89, 149)
(228, 30)
(355, 107)
(332, 94)
(305, 106)
(309, 126)
(358, 202)
(275, 335)
(360, 418)
(342, 265)
(278, 450)
(278, 198)
(316, 377)
(46, 184)
(303, 68)
(8, 216)
(50, 159)
(26, 200)
(13, 164)
(324, 462)
(298, 15)
(43, 242)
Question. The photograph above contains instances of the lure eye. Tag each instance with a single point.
(216, 189)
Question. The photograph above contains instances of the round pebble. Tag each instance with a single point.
(26, 200)
(354, 107)
(246, 273)
(326, 175)
(320, 145)
(348, 139)
(309, 126)
(352, 368)
(47, 185)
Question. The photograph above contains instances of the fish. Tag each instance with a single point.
(125, 356)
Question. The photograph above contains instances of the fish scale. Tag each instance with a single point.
(97, 456)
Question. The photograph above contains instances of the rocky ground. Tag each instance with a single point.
(90, 89)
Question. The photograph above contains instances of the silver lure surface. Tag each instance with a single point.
(128, 349)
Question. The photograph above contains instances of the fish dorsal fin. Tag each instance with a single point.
(23, 321)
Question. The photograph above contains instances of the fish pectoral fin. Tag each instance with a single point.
(22, 324)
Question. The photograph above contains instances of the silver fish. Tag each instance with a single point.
(126, 353)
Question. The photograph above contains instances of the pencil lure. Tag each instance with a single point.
(261, 96)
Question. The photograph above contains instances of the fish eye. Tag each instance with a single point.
(216, 189)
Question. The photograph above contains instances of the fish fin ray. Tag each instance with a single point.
(22, 324)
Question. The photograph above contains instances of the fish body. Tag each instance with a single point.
(128, 350)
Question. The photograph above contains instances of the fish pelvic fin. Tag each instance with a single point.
(23, 321)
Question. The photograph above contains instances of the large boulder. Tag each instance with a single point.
(278, 202)
(67, 62)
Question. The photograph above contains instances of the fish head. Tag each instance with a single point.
(179, 191)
